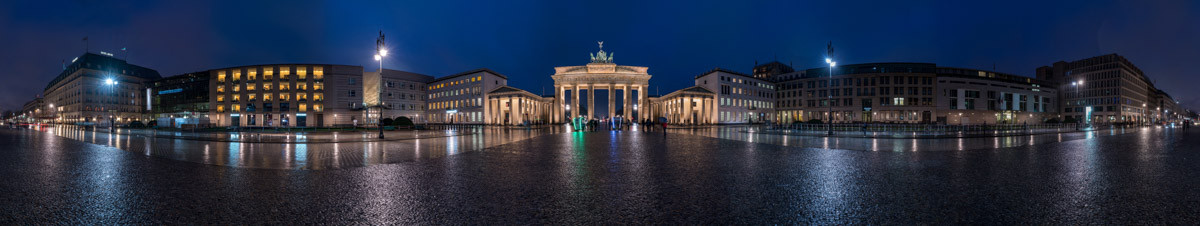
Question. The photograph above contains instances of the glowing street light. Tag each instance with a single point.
(112, 112)
(381, 52)
(829, 99)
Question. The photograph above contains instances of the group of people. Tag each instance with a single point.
(610, 124)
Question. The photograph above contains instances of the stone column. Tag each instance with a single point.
(628, 99)
(557, 102)
(642, 108)
(520, 106)
(591, 101)
(715, 117)
(687, 110)
(575, 102)
(612, 101)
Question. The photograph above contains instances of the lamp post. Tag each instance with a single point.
(829, 98)
(829, 91)
(112, 112)
(380, 52)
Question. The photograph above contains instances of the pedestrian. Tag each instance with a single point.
(864, 129)
(664, 127)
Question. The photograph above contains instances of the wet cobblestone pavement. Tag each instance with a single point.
(1141, 177)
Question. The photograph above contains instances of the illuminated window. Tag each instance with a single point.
(251, 74)
(303, 107)
(250, 97)
(302, 86)
(236, 108)
(301, 72)
(318, 73)
(220, 76)
(236, 98)
(220, 98)
(284, 86)
(302, 96)
(267, 86)
(237, 88)
(237, 75)
(267, 97)
(220, 108)
(250, 87)
(284, 72)
(317, 97)
(317, 107)
(318, 86)
(268, 71)
(283, 96)
(221, 89)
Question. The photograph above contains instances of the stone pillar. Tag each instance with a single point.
(628, 99)
(591, 101)
(687, 110)
(715, 117)
(612, 101)
(520, 106)
(557, 102)
(574, 102)
(642, 108)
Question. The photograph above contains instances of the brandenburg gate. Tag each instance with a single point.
(600, 74)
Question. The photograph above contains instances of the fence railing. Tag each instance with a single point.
(938, 129)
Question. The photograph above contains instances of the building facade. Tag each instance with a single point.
(459, 98)
(768, 71)
(969, 96)
(181, 100)
(740, 97)
(878, 92)
(286, 95)
(97, 89)
(511, 106)
(1104, 89)
(913, 93)
(600, 74)
(396, 93)
(694, 105)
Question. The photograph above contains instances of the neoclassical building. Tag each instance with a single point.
(692, 106)
(600, 74)
(511, 106)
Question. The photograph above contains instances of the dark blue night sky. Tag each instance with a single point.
(526, 39)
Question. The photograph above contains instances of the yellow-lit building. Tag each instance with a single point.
(286, 95)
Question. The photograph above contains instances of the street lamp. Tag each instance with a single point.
(112, 112)
(381, 52)
(829, 99)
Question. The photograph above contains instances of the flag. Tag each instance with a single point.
(84, 38)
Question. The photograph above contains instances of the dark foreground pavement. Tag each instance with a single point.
(621, 177)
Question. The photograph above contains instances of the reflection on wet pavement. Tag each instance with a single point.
(318, 153)
(1146, 177)
(748, 134)
(309, 156)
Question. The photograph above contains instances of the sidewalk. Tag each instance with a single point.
(927, 134)
(278, 137)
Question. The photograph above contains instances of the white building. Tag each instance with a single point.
(459, 98)
(740, 98)
(98, 89)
